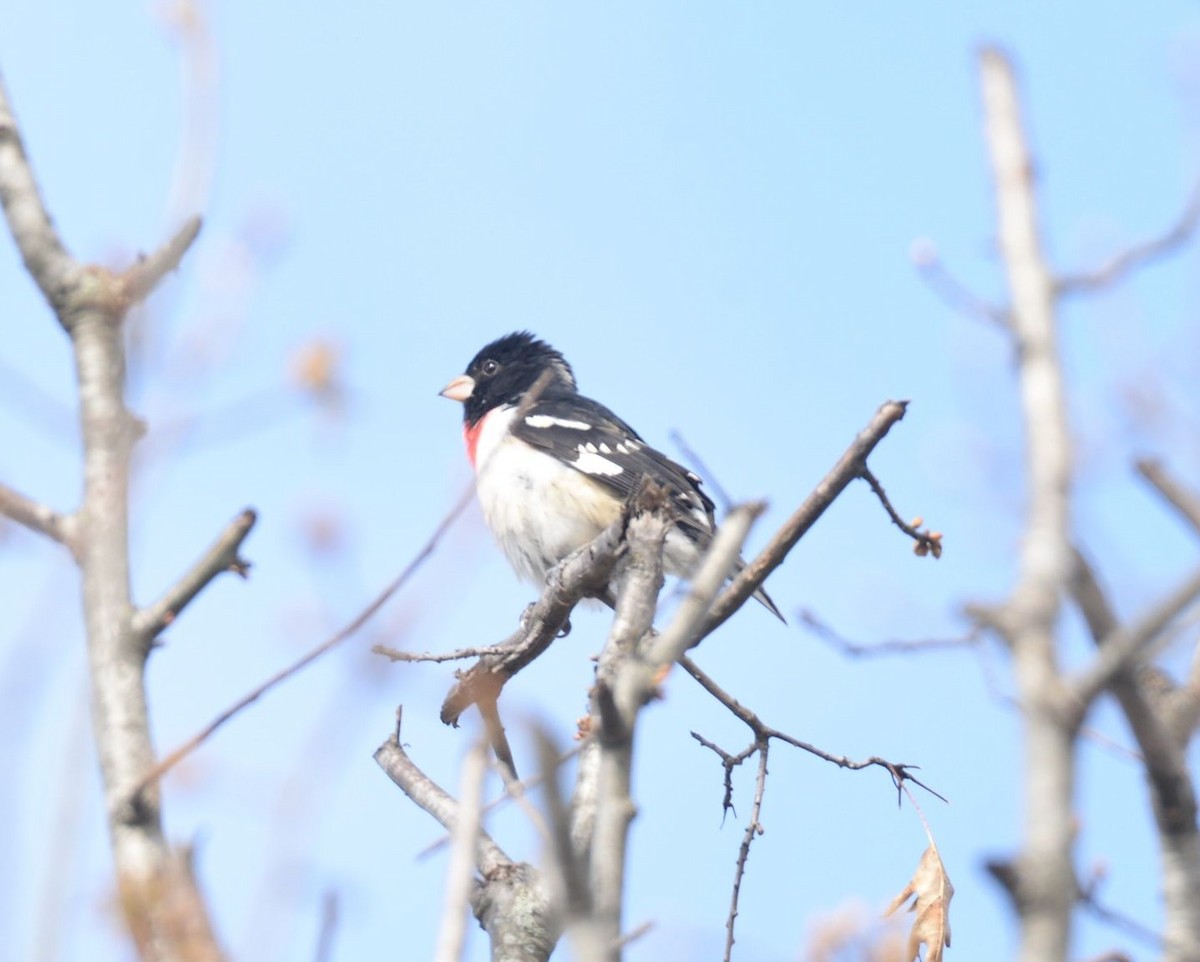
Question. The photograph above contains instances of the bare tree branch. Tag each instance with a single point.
(927, 542)
(848, 467)
(512, 791)
(144, 276)
(1121, 649)
(329, 922)
(762, 735)
(971, 640)
(1169, 782)
(754, 828)
(45, 256)
(1044, 873)
(429, 796)
(568, 862)
(614, 713)
(681, 634)
(460, 872)
(953, 292)
(627, 671)
(1186, 502)
(39, 518)
(1137, 255)
(899, 771)
(148, 623)
(458, 654)
(154, 773)
(584, 572)
(162, 904)
(511, 903)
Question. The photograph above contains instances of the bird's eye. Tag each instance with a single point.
(489, 368)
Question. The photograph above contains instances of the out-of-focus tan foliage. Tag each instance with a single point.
(854, 933)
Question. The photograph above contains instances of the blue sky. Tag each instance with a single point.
(710, 210)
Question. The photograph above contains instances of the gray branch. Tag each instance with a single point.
(460, 871)
(631, 661)
(163, 907)
(849, 467)
(144, 276)
(45, 257)
(221, 556)
(1164, 756)
(511, 901)
(1138, 255)
(1122, 648)
(614, 719)
(1045, 882)
(582, 573)
(39, 518)
(1186, 502)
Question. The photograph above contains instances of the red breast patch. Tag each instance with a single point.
(471, 434)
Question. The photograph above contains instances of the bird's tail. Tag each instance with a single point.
(761, 596)
(764, 599)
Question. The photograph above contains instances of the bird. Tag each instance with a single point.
(553, 473)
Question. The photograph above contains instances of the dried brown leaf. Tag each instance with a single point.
(931, 892)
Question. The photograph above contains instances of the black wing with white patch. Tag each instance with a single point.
(587, 436)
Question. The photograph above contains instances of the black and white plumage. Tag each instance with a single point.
(552, 480)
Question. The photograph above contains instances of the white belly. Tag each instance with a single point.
(537, 507)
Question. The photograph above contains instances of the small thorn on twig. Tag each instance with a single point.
(240, 567)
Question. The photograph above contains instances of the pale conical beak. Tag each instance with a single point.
(459, 389)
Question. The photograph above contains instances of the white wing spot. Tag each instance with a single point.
(546, 421)
(590, 448)
(591, 463)
(604, 448)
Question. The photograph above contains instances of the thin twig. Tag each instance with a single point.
(39, 518)
(634, 934)
(45, 256)
(972, 639)
(753, 830)
(140, 279)
(175, 757)
(460, 871)
(927, 542)
(682, 633)
(329, 923)
(899, 771)
(1186, 502)
(511, 791)
(1119, 920)
(1122, 648)
(511, 903)
(581, 573)
(848, 467)
(956, 295)
(394, 760)
(566, 861)
(729, 762)
(1136, 255)
(222, 556)
(395, 654)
